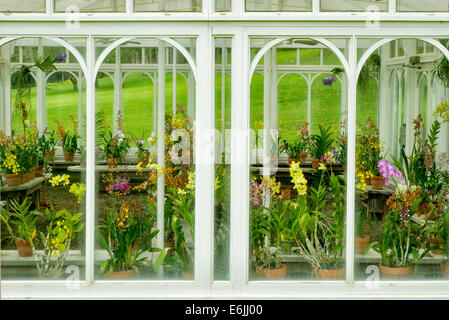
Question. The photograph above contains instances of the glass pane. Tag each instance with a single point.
(222, 159)
(43, 187)
(167, 5)
(90, 6)
(424, 5)
(23, 6)
(270, 5)
(145, 203)
(297, 190)
(401, 170)
(354, 5)
(222, 5)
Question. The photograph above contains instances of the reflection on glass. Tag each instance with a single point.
(354, 5)
(167, 5)
(146, 184)
(43, 203)
(402, 202)
(427, 5)
(222, 5)
(23, 6)
(297, 207)
(90, 6)
(263, 5)
(222, 158)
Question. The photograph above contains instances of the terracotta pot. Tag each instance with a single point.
(169, 244)
(315, 163)
(395, 273)
(335, 274)
(368, 181)
(377, 182)
(361, 243)
(444, 269)
(303, 157)
(68, 156)
(433, 243)
(24, 248)
(12, 179)
(272, 274)
(424, 209)
(120, 275)
(39, 171)
(25, 177)
(50, 155)
(187, 275)
(290, 160)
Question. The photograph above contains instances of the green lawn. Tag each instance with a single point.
(137, 98)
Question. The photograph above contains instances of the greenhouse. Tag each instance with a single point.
(224, 149)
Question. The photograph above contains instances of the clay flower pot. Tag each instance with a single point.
(12, 179)
(187, 275)
(25, 177)
(368, 181)
(169, 244)
(424, 209)
(290, 160)
(444, 269)
(361, 243)
(433, 243)
(24, 248)
(395, 273)
(120, 275)
(39, 171)
(50, 155)
(377, 182)
(68, 156)
(303, 157)
(315, 163)
(335, 274)
(272, 274)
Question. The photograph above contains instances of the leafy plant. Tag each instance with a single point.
(23, 81)
(63, 228)
(126, 234)
(22, 219)
(399, 239)
(322, 142)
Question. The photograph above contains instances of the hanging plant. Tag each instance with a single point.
(371, 69)
(22, 80)
(332, 77)
(442, 71)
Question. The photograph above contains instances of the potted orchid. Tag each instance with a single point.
(116, 146)
(299, 148)
(368, 155)
(143, 153)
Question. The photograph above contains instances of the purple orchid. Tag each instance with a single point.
(122, 186)
(327, 81)
(388, 170)
(61, 57)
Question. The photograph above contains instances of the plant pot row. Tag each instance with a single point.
(14, 180)
(68, 156)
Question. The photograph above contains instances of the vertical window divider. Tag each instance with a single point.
(208, 7)
(239, 161)
(50, 6)
(392, 4)
(129, 7)
(204, 162)
(350, 181)
(315, 6)
(238, 7)
(90, 160)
